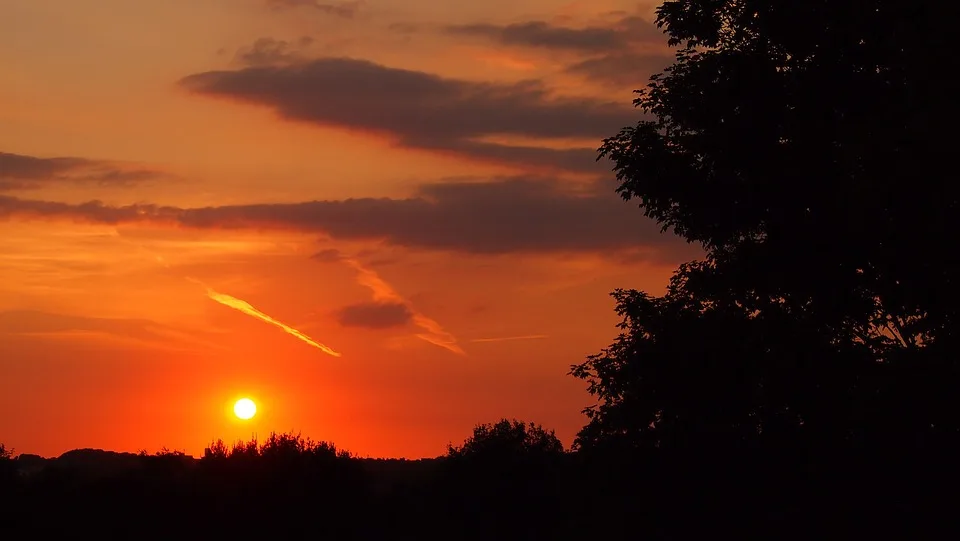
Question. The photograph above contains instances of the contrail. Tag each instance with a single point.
(234, 302)
(510, 338)
(248, 309)
(382, 291)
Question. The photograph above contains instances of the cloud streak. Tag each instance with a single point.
(346, 10)
(424, 111)
(622, 54)
(45, 324)
(542, 34)
(511, 338)
(271, 52)
(505, 216)
(621, 69)
(623, 33)
(21, 172)
(247, 308)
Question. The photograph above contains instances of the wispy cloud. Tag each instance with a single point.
(21, 172)
(511, 338)
(626, 31)
(434, 333)
(247, 308)
(142, 331)
(271, 52)
(505, 216)
(346, 10)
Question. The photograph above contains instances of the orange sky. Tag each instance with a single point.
(409, 183)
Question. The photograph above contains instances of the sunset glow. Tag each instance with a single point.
(399, 202)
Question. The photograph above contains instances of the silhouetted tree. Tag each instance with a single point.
(809, 164)
(217, 450)
(507, 438)
(507, 476)
(8, 466)
(803, 145)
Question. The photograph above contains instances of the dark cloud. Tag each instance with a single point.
(628, 70)
(542, 34)
(28, 167)
(640, 30)
(508, 215)
(423, 110)
(347, 10)
(592, 39)
(272, 52)
(330, 255)
(19, 172)
(375, 315)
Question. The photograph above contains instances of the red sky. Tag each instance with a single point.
(409, 183)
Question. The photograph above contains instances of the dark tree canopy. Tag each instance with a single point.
(508, 438)
(804, 145)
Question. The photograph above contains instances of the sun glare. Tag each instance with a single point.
(245, 408)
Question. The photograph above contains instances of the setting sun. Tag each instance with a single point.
(245, 408)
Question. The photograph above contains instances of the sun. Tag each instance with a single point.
(245, 408)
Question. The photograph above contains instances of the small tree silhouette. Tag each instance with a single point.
(508, 438)
(8, 465)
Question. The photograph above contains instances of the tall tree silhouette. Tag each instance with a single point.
(803, 145)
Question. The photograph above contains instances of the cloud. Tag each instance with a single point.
(375, 315)
(37, 323)
(542, 34)
(623, 33)
(272, 52)
(503, 216)
(346, 10)
(329, 255)
(511, 338)
(433, 332)
(20, 172)
(423, 110)
(624, 53)
(622, 69)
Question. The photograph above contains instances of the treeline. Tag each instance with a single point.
(510, 480)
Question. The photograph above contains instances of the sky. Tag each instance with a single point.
(382, 220)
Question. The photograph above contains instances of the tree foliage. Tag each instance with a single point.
(508, 438)
(802, 145)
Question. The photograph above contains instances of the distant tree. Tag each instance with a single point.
(289, 446)
(508, 438)
(8, 466)
(245, 449)
(810, 166)
(217, 450)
